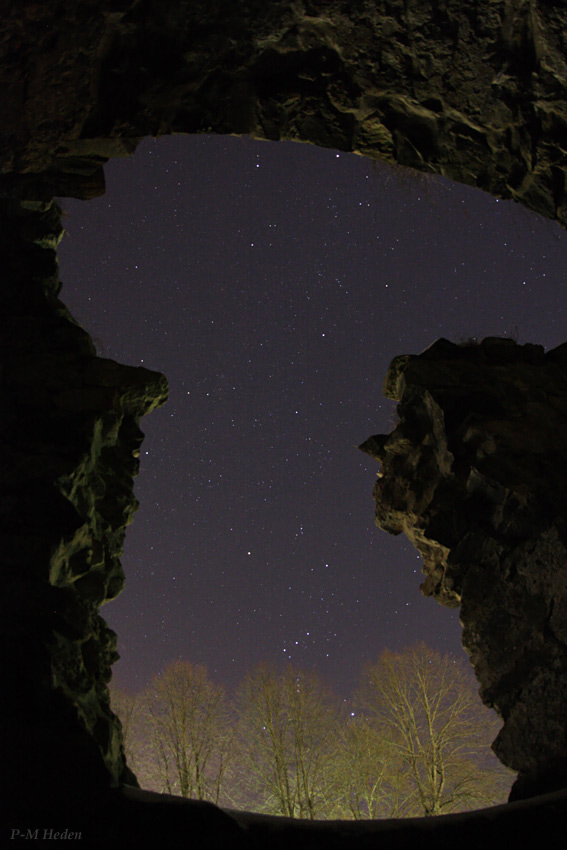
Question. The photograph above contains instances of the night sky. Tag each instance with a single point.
(273, 283)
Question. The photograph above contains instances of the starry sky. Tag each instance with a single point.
(273, 283)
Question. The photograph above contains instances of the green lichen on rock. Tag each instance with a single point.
(70, 441)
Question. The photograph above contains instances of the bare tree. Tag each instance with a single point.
(415, 741)
(369, 780)
(189, 731)
(287, 740)
(127, 708)
(427, 707)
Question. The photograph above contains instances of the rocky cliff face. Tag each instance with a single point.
(70, 441)
(474, 475)
(474, 91)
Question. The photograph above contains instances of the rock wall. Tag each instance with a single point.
(474, 91)
(474, 475)
(70, 441)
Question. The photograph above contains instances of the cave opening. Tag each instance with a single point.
(272, 288)
(473, 93)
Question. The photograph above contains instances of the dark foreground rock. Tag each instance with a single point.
(474, 475)
(70, 441)
(129, 817)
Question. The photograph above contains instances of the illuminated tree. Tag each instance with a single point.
(416, 740)
(127, 708)
(368, 779)
(427, 708)
(288, 724)
(189, 731)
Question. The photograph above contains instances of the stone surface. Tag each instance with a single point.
(130, 817)
(474, 91)
(69, 439)
(474, 475)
